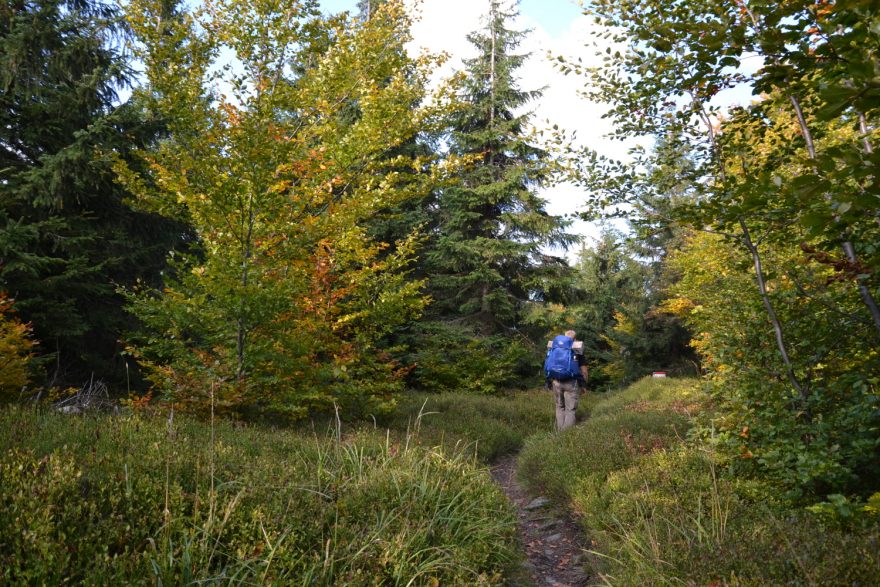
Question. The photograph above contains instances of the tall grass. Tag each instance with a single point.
(660, 511)
(487, 426)
(145, 500)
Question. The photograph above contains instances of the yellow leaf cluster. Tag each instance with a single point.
(16, 347)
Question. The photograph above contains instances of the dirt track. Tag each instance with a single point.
(552, 542)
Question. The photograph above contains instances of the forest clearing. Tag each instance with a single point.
(140, 498)
(277, 283)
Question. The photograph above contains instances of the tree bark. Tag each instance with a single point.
(241, 336)
(847, 246)
(771, 312)
(494, 24)
(759, 272)
(863, 127)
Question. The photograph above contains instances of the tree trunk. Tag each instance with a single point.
(759, 271)
(241, 337)
(494, 24)
(771, 312)
(848, 249)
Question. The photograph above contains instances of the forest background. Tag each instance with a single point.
(321, 226)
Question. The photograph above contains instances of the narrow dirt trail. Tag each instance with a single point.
(553, 543)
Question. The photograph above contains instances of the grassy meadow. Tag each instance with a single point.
(144, 499)
(158, 500)
(487, 426)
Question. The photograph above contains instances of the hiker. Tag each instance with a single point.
(567, 373)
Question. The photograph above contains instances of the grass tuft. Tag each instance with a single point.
(487, 426)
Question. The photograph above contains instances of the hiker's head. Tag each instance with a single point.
(570, 333)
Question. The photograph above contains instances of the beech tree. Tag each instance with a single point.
(279, 160)
(790, 175)
(16, 350)
(817, 59)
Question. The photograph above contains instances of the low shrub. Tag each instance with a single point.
(16, 346)
(659, 510)
(621, 428)
(672, 518)
(447, 357)
(489, 426)
(150, 500)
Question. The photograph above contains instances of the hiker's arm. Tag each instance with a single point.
(585, 372)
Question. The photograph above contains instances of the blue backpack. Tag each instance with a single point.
(560, 362)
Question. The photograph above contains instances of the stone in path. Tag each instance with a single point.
(537, 503)
(552, 542)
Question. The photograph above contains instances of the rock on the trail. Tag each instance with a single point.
(554, 538)
(537, 503)
(548, 525)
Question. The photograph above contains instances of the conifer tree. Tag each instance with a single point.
(67, 239)
(488, 260)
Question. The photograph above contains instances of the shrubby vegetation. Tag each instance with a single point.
(142, 499)
(815, 444)
(488, 426)
(661, 511)
(16, 350)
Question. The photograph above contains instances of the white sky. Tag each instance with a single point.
(558, 27)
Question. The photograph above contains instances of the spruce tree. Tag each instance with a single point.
(488, 260)
(67, 238)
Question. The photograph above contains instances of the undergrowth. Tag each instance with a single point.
(150, 500)
(489, 426)
(661, 511)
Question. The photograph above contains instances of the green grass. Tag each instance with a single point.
(407, 501)
(489, 426)
(617, 433)
(660, 512)
(141, 500)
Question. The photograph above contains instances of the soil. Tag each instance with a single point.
(553, 543)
